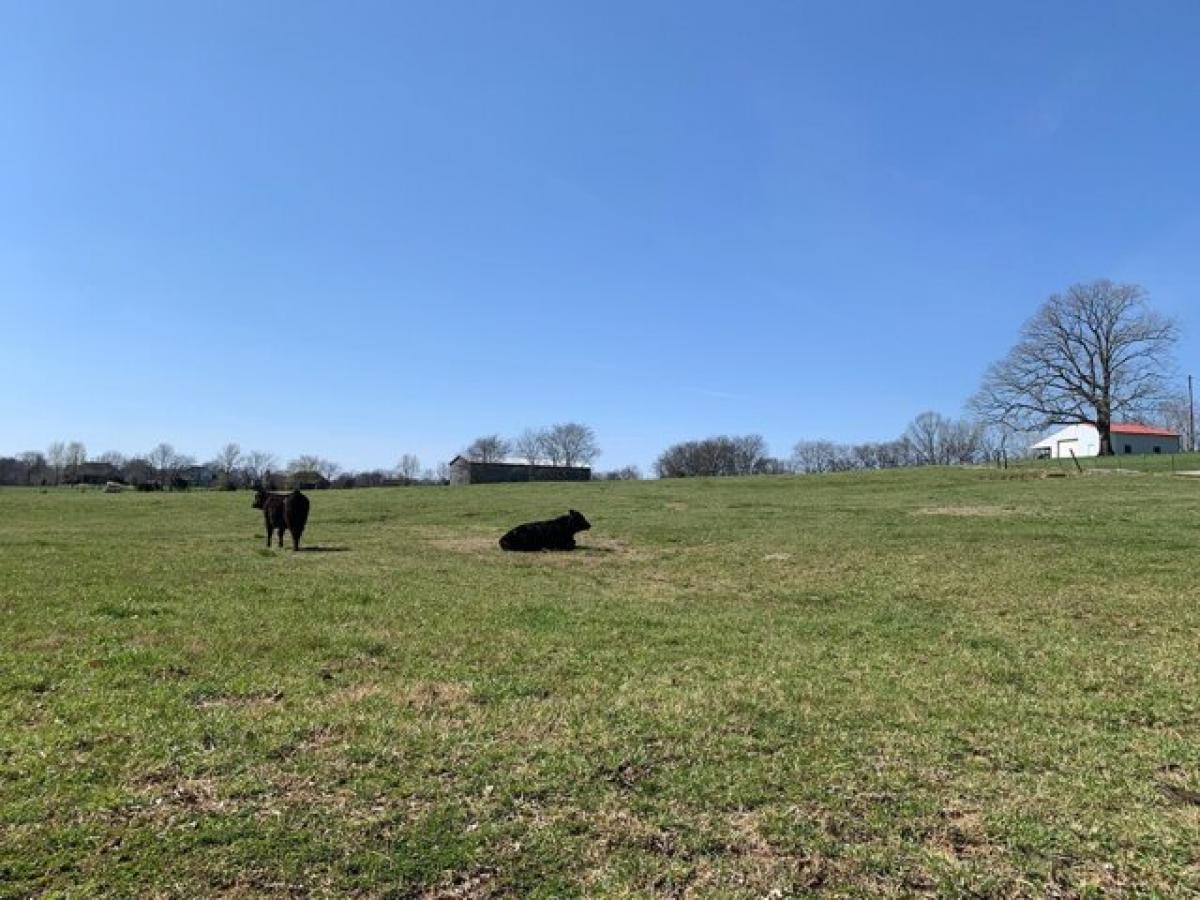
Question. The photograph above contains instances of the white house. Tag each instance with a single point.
(1127, 437)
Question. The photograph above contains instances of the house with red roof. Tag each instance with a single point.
(1127, 438)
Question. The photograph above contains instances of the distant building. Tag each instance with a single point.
(1127, 438)
(470, 471)
(302, 481)
(197, 476)
(93, 473)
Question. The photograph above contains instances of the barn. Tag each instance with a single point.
(471, 471)
(1127, 438)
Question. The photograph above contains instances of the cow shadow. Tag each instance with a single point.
(321, 548)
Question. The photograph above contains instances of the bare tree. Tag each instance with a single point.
(227, 460)
(571, 444)
(164, 459)
(720, 455)
(35, 465)
(814, 457)
(409, 467)
(308, 462)
(257, 463)
(926, 438)
(56, 453)
(530, 445)
(488, 448)
(443, 472)
(76, 456)
(1175, 413)
(114, 458)
(1089, 355)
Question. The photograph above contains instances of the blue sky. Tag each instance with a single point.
(364, 229)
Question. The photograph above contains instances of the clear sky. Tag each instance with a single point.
(362, 229)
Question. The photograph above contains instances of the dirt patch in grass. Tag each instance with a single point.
(422, 694)
(252, 701)
(168, 795)
(478, 884)
(969, 512)
(734, 858)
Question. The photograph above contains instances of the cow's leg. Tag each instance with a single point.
(267, 520)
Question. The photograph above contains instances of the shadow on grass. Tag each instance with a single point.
(318, 548)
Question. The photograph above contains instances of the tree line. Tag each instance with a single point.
(930, 439)
(232, 467)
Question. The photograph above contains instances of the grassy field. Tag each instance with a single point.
(954, 682)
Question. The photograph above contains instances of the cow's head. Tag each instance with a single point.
(260, 497)
(578, 522)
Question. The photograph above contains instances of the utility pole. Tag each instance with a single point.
(1191, 417)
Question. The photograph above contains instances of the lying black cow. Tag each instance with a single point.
(553, 534)
(283, 512)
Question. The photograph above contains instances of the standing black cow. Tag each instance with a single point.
(553, 534)
(283, 512)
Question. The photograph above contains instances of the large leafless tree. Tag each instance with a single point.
(570, 444)
(409, 467)
(56, 453)
(488, 448)
(1092, 354)
(530, 445)
(75, 456)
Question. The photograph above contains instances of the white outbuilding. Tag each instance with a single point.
(1127, 438)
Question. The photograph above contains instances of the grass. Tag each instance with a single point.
(945, 682)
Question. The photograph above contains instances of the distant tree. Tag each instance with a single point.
(164, 459)
(1092, 355)
(963, 442)
(257, 463)
(488, 448)
(75, 456)
(326, 468)
(748, 452)
(570, 444)
(926, 438)
(114, 458)
(409, 467)
(1174, 412)
(934, 440)
(814, 457)
(308, 462)
(720, 455)
(227, 460)
(443, 472)
(35, 466)
(56, 453)
(530, 445)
